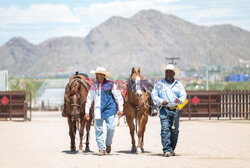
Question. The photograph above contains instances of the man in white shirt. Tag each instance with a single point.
(167, 94)
(104, 94)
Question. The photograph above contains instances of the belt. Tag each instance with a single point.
(172, 108)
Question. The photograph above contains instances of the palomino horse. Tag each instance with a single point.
(136, 107)
(75, 98)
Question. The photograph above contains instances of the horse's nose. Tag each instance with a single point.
(138, 95)
(75, 114)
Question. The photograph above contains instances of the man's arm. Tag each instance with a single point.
(90, 99)
(155, 95)
(118, 98)
(183, 94)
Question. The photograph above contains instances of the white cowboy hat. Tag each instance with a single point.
(171, 67)
(100, 70)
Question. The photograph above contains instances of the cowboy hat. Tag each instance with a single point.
(172, 68)
(100, 70)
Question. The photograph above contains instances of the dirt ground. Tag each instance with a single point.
(44, 142)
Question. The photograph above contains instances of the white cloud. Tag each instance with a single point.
(97, 13)
(65, 21)
(201, 15)
(35, 14)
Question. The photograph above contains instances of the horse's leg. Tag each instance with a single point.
(81, 132)
(132, 130)
(88, 125)
(143, 131)
(124, 120)
(74, 130)
(72, 135)
(142, 126)
(118, 124)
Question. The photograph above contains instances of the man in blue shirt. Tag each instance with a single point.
(104, 94)
(167, 94)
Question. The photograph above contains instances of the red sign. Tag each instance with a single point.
(5, 100)
(195, 100)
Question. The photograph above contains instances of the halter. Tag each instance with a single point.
(143, 101)
(80, 102)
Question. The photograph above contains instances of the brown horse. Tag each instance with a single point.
(136, 107)
(75, 99)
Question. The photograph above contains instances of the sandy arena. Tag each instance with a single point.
(44, 142)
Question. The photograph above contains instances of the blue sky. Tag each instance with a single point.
(38, 20)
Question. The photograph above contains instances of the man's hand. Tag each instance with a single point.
(120, 113)
(177, 101)
(164, 103)
(87, 116)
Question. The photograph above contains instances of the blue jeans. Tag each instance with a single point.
(110, 122)
(169, 136)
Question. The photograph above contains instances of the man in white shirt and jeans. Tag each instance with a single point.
(104, 94)
(167, 94)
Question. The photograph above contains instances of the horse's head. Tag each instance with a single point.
(74, 98)
(136, 82)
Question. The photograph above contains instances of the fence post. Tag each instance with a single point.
(232, 105)
(218, 105)
(245, 112)
(226, 103)
(189, 104)
(10, 106)
(247, 104)
(30, 105)
(209, 106)
(229, 103)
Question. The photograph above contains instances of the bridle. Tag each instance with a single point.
(143, 101)
(143, 88)
(80, 102)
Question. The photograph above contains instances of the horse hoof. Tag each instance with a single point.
(133, 150)
(87, 150)
(139, 151)
(73, 149)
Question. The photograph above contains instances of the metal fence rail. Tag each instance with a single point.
(13, 104)
(220, 104)
(235, 104)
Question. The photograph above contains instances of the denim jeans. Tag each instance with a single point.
(110, 122)
(169, 136)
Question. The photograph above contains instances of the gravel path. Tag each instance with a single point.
(44, 142)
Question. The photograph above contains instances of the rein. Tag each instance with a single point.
(83, 83)
(86, 86)
(143, 102)
(137, 108)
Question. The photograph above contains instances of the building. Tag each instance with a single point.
(238, 78)
(3, 80)
(51, 93)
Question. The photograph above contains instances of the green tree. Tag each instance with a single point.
(237, 86)
(15, 84)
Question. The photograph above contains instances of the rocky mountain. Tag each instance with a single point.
(119, 44)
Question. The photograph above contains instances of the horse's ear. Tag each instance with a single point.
(139, 70)
(133, 71)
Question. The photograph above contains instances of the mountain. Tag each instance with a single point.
(119, 44)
